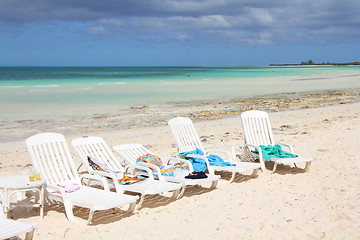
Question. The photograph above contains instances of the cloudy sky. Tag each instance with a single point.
(177, 32)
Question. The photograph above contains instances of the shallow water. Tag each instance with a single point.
(57, 92)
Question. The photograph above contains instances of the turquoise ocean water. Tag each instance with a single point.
(31, 90)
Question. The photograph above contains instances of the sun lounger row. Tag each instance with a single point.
(51, 157)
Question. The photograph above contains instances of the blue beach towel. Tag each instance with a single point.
(199, 164)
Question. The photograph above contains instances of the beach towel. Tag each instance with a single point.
(170, 170)
(199, 164)
(274, 151)
(124, 178)
(69, 188)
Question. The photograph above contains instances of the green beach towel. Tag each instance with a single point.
(275, 151)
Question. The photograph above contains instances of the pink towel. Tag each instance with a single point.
(69, 188)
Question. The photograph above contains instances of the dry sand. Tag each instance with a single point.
(323, 203)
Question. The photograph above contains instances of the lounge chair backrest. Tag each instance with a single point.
(51, 157)
(131, 152)
(95, 147)
(185, 134)
(257, 129)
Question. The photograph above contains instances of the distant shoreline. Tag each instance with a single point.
(315, 64)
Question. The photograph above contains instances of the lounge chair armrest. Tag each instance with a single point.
(106, 174)
(112, 176)
(239, 149)
(180, 160)
(228, 154)
(145, 167)
(261, 159)
(210, 169)
(247, 148)
(235, 149)
(197, 156)
(291, 150)
(57, 189)
(97, 178)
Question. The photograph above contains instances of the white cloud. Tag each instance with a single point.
(180, 37)
(261, 17)
(97, 30)
(111, 22)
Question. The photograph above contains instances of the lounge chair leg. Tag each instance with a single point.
(213, 184)
(274, 168)
(175, 194)
(69, 211)
(91, 214)
(263, 168)
(115, 210)
(131, 208)
(232, 177)
(42, 211)
(48, 202)
(182, 192)
(29, 235)
(307, 166)
(140, 202)
(295, 165)
(89, 182)
(254, 173)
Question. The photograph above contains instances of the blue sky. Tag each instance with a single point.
(177, 32)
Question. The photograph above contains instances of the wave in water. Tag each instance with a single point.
(43, 86)
(112, 83)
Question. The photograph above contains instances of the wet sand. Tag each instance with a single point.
(157, 115)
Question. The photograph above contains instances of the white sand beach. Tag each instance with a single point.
(323, 203)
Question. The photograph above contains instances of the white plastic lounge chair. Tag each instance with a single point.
(96, 147)
(11, 228)
(131, 152)
(51, 157)
(257, 131)
(187, 139)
